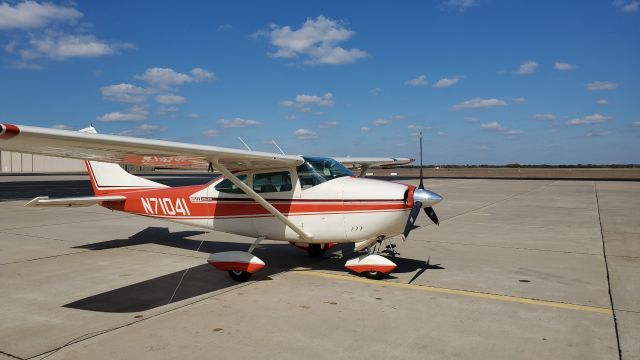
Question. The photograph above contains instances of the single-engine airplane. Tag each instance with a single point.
(312, 202)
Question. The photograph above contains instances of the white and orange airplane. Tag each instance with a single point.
(311, 202)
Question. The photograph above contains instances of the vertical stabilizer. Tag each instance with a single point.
(108, 177)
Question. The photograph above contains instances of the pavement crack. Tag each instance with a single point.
(509, 247)
(606, 266)
(10, 355)
(44, 257)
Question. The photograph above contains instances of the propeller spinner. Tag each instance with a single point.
(422, 199)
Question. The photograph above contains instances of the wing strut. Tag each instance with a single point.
(363, 170)
(265, 204)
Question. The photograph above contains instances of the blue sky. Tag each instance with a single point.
(488, 81)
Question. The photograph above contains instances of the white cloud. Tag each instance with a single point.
(62, 127)
(317, 40)
(442, 133)
(418, 127)
(25, 65)
(519, 100)
(446, 82)
(460, 5)
(164, 110)
(305, 134)
(479, 103)
(496, 127)
(126, 93)
(170, 99)
(199, 75)
(291, 117)
(421, 80)
(60, 46)
(375, 91)
(635, 124)
(562, 66)
(238, 123)
(211, 133)
(142, 130)
(45, 30)
(514, 132)
(166, 78)
(366, 129)
(325, 100)
(381, 122)
(599, 133)
(135, 113)
(328, 124)
(589, 119)
(544, 117)
(527, 67)
(224, 27)
(627, 6)
(602, 102)
(195, 116)
(304, 101)
(601, 85)
(387, 121)
(31, 14)
(493, 126)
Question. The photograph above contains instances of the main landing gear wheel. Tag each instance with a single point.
(239, 275)
(373, 275)
(316, 250)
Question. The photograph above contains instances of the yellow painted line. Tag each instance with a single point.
(514, 299)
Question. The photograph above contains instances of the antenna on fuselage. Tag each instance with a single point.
(244, 143)
(276, 144)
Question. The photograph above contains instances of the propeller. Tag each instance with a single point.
(422, 199)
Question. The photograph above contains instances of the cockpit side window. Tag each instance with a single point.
(315, 171)
(226, 186)
(272, 182)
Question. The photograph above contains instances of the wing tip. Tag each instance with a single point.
(35, 201)
(8, 131)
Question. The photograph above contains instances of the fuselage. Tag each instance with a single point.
(328, 203)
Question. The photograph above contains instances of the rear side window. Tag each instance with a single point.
(226, 186)
(272, 182)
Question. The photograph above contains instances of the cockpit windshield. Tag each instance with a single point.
(316, 170)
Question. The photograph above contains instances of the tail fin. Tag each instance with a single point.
(107, 178)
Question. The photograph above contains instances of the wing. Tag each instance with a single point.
(373, 161)
(134, 151)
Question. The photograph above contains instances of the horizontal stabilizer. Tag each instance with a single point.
(44, 201)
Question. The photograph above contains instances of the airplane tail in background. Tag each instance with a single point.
(107, 178)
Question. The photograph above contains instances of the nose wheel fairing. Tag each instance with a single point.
(371, 265)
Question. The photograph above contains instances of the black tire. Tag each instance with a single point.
(315, 250)
(373, 275)
(239, 275)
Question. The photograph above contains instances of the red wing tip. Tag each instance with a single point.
(7, 131)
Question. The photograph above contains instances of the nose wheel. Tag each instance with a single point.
(374, 275)
(240, 275)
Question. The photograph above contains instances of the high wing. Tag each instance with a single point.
(373, 161)
(364, 163)
(134, 151)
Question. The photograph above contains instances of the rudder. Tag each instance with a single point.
(108, 177)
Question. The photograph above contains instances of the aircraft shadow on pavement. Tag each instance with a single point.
(202, 279)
